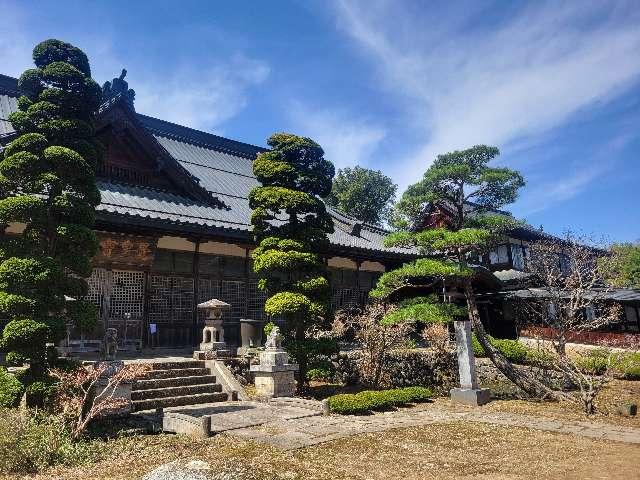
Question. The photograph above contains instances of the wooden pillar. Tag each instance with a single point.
(358, 265)
(196, 292)
(245, 312)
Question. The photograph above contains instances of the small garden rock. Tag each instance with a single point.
(197, 470)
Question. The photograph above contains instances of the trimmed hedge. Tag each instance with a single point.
(371, 400)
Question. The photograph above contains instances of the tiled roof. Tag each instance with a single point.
(223, 167)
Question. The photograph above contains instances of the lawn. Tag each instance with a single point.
(453, 450)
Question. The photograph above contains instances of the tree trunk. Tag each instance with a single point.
(302, 356)
(525, 382)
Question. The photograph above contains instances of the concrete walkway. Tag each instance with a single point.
(296, 433)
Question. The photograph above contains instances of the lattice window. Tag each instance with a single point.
(344, 298)
(98, 292)
(233, 293)
(255, 302)
(127, 294)
(170, 299)
(159, 299)
(182, 300)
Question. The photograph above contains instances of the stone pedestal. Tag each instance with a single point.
(468, 393)
(250, 335)
(274, 376)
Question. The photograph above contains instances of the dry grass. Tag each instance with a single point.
(614, 394)
(440, 451)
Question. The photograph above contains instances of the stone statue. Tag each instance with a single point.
(110, 344)
(118, 86)
(274, 339)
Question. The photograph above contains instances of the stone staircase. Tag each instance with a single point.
(176, 383)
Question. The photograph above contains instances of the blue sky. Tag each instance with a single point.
(387, 84)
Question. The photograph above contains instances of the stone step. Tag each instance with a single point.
(173, 382)
(176, 365)
(179, 401)
(176, 372)
(175, 391)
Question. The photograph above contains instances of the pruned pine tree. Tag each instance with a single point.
(291, 224)
(464, 183)
(47, 183)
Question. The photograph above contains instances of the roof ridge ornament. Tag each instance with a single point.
(118, 87)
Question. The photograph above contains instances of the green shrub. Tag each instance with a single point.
(31, 441)
(372, 400)
(478, 350)
(539, 357)
(593, 362)
(318, 374)
(15, 359)
(268, 327)
(629, 366)
(11, 389)
(513, 350)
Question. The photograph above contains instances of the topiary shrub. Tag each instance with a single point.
(11, 390)
(294, 176)
(48, 183)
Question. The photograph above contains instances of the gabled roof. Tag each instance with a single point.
(218, 166)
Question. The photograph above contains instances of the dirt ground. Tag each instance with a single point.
(440, 451)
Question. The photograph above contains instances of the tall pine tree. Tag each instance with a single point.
(291, 224)
(463, 183)
(47, 183)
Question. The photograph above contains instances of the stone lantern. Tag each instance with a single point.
(65, 345)
(213, 343)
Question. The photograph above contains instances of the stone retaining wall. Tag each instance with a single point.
(404, 368)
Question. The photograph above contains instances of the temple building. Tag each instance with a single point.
(174, 229)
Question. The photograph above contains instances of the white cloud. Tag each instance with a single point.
(468, 82)
(198, 96)
(346, 141)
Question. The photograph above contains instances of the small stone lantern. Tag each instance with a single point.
(213, 344)
(65, 345)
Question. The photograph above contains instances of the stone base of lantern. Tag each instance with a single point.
(277, 383)
(471, 396)
(274, 376)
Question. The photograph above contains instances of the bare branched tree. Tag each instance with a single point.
(375, 337)
(572, 296)
(87, 394)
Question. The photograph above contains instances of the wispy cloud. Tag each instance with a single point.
(346, 140)
(201, 95)
(467, 79)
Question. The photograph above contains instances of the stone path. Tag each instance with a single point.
(303, 432)
(226, 416)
